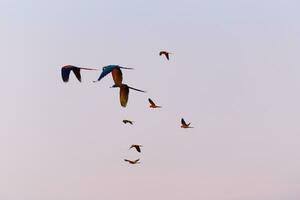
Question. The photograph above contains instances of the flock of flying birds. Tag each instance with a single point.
(117, 76)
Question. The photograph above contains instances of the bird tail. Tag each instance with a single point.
(126, 68)
(136, 89)
(88, 68)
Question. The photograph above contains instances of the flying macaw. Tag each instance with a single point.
(165, 53)
(125, 121)
(152, 104)
(124, 93)
(116, 73)
(137, 147)
(133, 161)
(66, 70)
(184, 124)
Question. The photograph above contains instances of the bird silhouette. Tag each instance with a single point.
(124, 93)
(184, 124)
(116, 73)
(133, 161)
(137, 147)
(125, 121)
(152, 104)
(66, 70)
(165, 53)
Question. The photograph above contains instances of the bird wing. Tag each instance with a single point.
(106, 70)
(160, 53)
(65, 73)
(124, 92)
(117, 76)
(137, 160)
(183, 122)
(138, 148)
(127, 160)
(76, 71)
(151, 102)
(167, 55)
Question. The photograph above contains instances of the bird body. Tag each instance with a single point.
(125, 121)
(132, 161)
(184, 124)
(152, 104)
(66, 70)
(137, 147)
(165, 53)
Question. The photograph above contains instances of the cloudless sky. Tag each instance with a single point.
(234, 75)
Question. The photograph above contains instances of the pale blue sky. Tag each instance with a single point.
(234, 74)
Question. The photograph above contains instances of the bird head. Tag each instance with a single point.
(114, 86)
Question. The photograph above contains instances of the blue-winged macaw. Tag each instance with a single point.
(65, 72)
(124, 93)
(116, 72)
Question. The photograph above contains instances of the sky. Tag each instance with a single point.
(234, 75)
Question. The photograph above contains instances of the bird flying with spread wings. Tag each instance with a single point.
(125, 121)
(165, 53)
(133, 161)
(116, 72)
(184, 124)
(66, 70)
(137, 147)
(152, 104)
(124, 93)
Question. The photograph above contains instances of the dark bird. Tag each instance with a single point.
(165, 53)
(137, 147)
(152, 104)
(116, 72)
(65, 72)
(124, 93)
(184, 124)
(125, 121)
(133, 161)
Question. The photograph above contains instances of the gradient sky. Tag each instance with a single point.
(235, 74)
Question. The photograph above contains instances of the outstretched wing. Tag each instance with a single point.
(76, 71)
(106, 70)
(65, 73)
(117, 76)
(167, 55)
(183, 122)
(124, 92)
(138, 148)
(151, 102)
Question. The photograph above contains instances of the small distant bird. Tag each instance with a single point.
(152, 104)
(124, 93)
(185, 125)
(65, 72)
(125, 121)
(137, 147)
(133, 161)
(165, 53)
(116, 73)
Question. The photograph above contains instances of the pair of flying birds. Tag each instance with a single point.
(138, 149)
(117, 76)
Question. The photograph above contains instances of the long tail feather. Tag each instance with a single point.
(136, 89)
